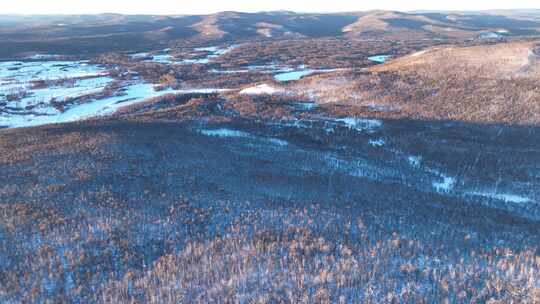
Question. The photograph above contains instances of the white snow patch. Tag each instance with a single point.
(420, 53)
(23, 72)
(415, 161)
(489, 35)
(214, 51)
(278, 142)
(505, 197)
(199, 91)
(446, 185)
(271, 68)
(262, 89)
(43, 57)
(210, 49)
(225, 133)
(228, 72)
(131, 93)
(377, 142)
(360, 124)
(266, 69)
(139, 55)
(307, 106)
(166, 59)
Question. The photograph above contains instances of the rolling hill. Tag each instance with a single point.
(112, 32)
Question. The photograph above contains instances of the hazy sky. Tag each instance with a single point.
(210, 6)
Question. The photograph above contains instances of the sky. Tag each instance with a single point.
(179, 7)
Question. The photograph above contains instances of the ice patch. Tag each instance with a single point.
(379, 58)
(262, 89)
(290, 76)
(306, 106)
(296, 75)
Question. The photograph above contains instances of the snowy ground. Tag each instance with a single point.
(134, 195)
(165, 56)
(66, 80)
(126, 195)
(29, 91)
(262, 89)
(42, 90)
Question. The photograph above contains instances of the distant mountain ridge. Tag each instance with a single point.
(115, 32)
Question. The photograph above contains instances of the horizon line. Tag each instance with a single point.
(271, 11)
